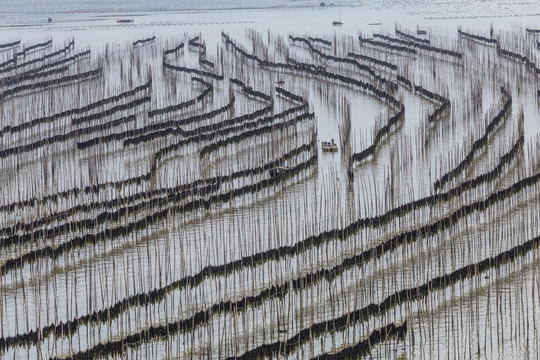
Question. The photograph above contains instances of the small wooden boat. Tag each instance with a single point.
(420, 31)
(329, 146)
(124, 21)
(280, 82)
(337, 23)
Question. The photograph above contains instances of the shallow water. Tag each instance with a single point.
(485, 315)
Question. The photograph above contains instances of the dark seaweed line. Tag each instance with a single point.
(158, 294)
(412, 37)
(41, 59)
(138, 179)
(288, 346)
(185, 104)
(153, 296)
(74, 111)
(445, 103)
(176, 194)
(173, 328)
(530, 64)
(316, 51)
(109, 112)
(170, 194)
(7, 82)
(319, 40)
(258, 131)
(36, 46)
(54, 64)
(316, 70)
(388, 46)
(385, 130)
(174, 50)
(11, 44)
(50, 83)
(290, 96)
(144, 41)
(299, 283)
(363, 348)
(111, 233)
(192, 71)
(315, 240)
(202, 133)
(248, 90)
(195, 280)
(419, 46)
(404, 81)
(478, 143)
(201, 317)
(149, 132)
(64, 137)
(477, 37)
(373, 60)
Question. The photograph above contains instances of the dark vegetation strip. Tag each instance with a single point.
(381, 44)
(478, 143)
(36, 46)
(406, 295)
(248, 90)
(353, 62)
(192, 71)
(319, 41)
(524, 59)
(404, 81)
(62, 51)
(445, 103)
(154, 131)
(144, 41)
(258, 131)
(363, 348)
(138, 179)
(11, 44)
(379, 136)
(112, 233)
(50, 83)
(201, 48)
(205, 133)
(55, 64)
(174, 50)
(75, 111)
(17, 79)
(412, 37)
(112, 110)
(419, 46)
(318, 71)
(158, 294)
(28, 229)
(67, 136)
(477, 37)
(373, 60)
(209, 88)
